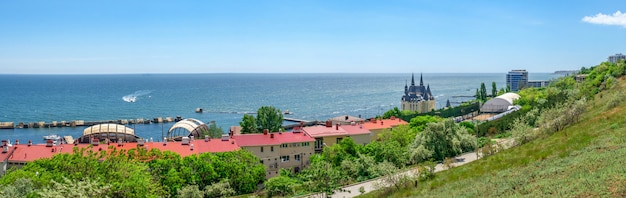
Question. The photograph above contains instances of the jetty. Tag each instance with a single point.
(80, 123)
(294, 119)
(299, 123)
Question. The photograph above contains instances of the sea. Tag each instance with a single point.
(224, 97)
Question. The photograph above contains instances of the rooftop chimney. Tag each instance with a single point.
(30, 142)
(381, 122)
(336, 126)
(329, 123)
(17, 141)
(141, 142)
(49, 143)
(265, 131)
(206, 138)
(272, 135)
(393, 117)
(164, 141)
(225, 137)
(185, 141)
(346, 117)
(5, 148)
(191, 147)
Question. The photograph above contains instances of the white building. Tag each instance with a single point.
(616, 57)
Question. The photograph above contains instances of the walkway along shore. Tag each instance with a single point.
(371, 185)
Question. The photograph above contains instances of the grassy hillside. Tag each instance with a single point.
(587, 159)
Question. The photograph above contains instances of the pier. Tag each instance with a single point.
(80, 123)
(299, 122)
(294, 120)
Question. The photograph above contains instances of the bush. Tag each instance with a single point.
(616, 99)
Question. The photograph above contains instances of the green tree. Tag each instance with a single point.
(270, 118)
(494, 90)
(441, 140)
(213, 131)
(190, 191)
(248, 124)
(419, 122)
(281, 185)
(483, 92)
(219, 189)
(75, 188)
(393, 112)
(478, 94)
(20, 188)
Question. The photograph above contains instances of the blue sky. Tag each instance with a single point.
(237, 36)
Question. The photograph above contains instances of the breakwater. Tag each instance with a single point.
(78, 123)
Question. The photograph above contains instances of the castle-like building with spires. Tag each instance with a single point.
(417, 97)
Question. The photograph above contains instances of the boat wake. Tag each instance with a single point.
(134, 96)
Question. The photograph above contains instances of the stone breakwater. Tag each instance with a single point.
(77, 123)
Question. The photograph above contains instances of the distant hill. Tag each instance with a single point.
(566, 72)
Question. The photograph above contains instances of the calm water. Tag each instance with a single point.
(34, 98)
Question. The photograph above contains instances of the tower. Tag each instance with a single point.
(418, 97)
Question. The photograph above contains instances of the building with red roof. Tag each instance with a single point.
(288, 150)
(328, 135)
(377, 126)
(24, 153)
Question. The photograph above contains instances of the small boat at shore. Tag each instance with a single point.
(52, 137)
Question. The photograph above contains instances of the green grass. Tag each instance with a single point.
(587, 159)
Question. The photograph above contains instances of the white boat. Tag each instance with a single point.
(52, 137)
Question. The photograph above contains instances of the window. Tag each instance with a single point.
(261, 149)
(319, 143)
(297, 157)
(272, 148)
(283, 146)
(339, 140)
(284, 158)
(261, 161)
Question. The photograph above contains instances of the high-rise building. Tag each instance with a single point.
(517, 79)
(616, 57)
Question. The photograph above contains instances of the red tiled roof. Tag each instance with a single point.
(384, 124)
(4, 156)
(355, 130)
(322, 131)
(259, 139)
(25, 153)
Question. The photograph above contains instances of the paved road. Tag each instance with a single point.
(353, 190)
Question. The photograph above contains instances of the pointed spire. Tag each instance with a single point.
(448, 103)
(428, 94)
(406, 87)
(421, 80)
(412, 79)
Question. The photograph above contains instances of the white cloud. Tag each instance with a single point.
(618, 18)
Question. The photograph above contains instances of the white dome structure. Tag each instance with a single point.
(499, 104)
(110, 131)
(187, 127)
